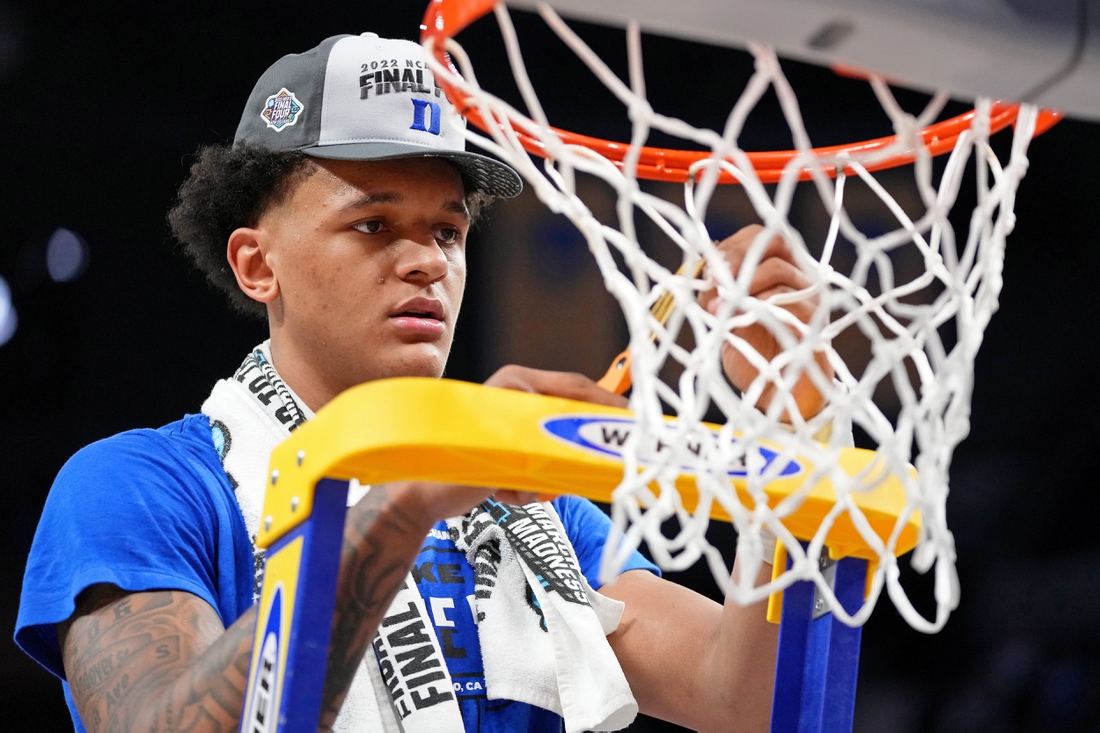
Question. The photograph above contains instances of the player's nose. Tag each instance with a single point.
(422, 261)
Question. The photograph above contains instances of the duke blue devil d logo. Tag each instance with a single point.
(422, 109)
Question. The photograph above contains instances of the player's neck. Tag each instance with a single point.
(308, 381)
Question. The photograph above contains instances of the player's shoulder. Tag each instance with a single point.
(189, 433)
(181, 448)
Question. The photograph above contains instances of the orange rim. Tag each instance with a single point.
(444, 19)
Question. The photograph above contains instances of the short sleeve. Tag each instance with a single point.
(588, 529)
(129, 511)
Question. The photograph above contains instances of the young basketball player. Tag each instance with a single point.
(341, 213)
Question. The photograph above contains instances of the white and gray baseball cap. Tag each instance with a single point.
(365, 98)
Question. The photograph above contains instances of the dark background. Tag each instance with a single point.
(102, 106)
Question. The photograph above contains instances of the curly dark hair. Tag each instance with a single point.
(234, 186)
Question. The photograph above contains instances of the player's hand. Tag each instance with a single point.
(556, 384)
(427, 502)
(777, 273)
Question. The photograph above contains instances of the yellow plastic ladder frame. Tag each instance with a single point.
(462, 433)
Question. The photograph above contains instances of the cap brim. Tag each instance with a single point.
(480, 171)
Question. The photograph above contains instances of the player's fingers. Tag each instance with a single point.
(558, 384)
(774, 276)
(575, 387)
(802, 309)
(734, 249)
(511, 376)
(737, 246)
(777, 274)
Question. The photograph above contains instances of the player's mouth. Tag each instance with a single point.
(419, 316)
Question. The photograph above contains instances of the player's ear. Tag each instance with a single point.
(248, 257)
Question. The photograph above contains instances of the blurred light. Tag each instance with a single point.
(8, 319)
(66, 256)
(12, 40)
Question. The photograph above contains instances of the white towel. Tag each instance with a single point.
(533, 603)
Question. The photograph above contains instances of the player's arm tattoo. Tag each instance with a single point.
(155, 661)
(162, 661)
(381, 541)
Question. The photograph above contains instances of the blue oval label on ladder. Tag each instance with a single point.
(608, 436)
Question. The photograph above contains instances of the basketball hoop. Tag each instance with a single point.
(447, 18)
(902, 317)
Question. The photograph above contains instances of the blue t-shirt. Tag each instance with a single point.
(153, 509)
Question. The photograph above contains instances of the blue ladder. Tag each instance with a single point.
(818, 660)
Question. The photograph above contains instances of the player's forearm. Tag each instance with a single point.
(742, 664)
(382, 536)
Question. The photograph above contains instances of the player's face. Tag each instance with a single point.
(370, 259)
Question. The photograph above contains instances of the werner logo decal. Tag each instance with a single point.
(261, 718)
(608, 436)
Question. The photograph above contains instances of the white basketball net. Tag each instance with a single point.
(932, 379)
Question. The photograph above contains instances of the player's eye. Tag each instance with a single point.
(369, 227)
(448, 235)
